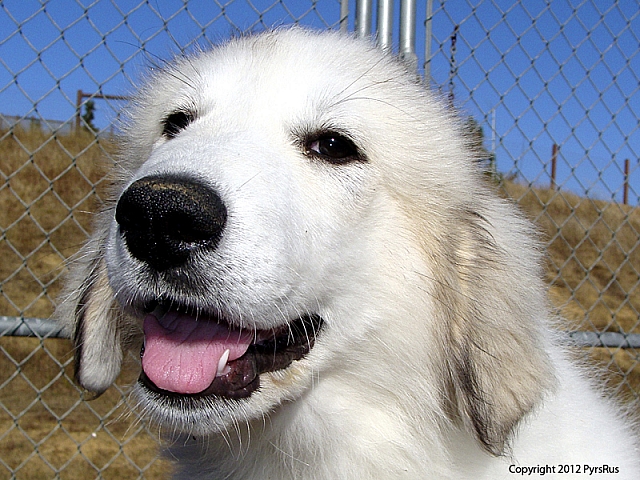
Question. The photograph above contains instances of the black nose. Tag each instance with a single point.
(165, 219)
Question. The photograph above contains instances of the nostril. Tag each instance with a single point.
(164, 219)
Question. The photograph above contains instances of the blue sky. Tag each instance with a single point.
(49, 52)
(572, 78)
(565, 71)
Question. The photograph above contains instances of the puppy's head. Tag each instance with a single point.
(287, 203)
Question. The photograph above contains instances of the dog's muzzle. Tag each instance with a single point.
(193, 350)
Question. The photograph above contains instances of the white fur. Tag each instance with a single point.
(436, 359)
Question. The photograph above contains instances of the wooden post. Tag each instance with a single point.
(79, 97)
(625, 190)
(554, 161)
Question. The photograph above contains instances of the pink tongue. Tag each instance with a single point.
(181, 354)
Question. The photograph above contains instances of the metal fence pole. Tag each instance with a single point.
(385, 24)
(364, 17)
(427, 41)
(407, 50)
(344, 15)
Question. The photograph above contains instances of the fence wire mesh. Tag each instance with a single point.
(551, 91)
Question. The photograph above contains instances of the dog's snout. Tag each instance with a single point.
(164, 219)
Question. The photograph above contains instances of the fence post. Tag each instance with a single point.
(79, 97)
(554, 162)
(407, 46)
(625, 190)
(427, 43)
(385, 25)
(453, 69)
(364, 16)
(344, 15)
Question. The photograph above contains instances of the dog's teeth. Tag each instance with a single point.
(222, 364)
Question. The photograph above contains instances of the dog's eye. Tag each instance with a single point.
(333, 148)
(176, 122)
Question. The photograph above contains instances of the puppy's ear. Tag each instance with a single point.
(94, 322)
(98, 345)
(497, 363)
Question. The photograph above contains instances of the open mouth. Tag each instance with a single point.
(189, 355)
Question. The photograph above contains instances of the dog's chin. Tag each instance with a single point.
(201, 416)
(267, 354)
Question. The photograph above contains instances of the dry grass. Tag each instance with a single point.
(593, 269)
(46, 429)
(50, 184)
(594, 257)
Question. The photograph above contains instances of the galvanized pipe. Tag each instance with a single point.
(427, 42)
(385, 25)
(407, 50)
(364, 15)
(344, 15)
(45, 328)
(605, 339)
(30, 327)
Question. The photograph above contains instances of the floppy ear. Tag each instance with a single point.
(98, 346)
(497, 366)
(93, 320)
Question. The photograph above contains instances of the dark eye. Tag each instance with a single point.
(176, 122)
(333, 147)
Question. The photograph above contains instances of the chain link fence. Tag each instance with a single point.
(550, 90)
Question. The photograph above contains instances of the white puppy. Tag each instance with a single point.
(326, 285)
